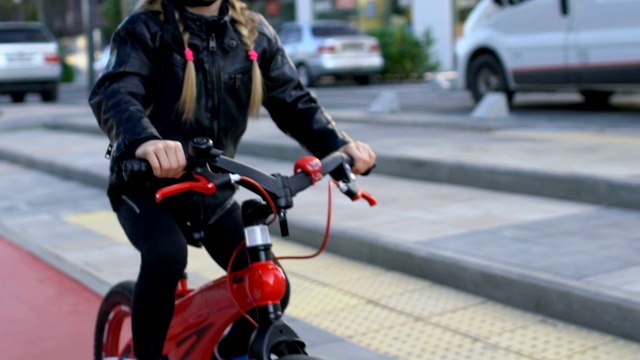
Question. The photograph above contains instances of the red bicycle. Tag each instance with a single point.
(202, 315)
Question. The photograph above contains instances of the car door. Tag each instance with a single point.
(533, 41)
(605, 41)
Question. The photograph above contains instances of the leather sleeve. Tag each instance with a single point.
(293, 108)
(122, 96)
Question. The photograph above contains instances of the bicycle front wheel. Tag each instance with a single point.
(112, 336)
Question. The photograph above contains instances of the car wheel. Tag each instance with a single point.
(363, 79)
(50, 95)
(596, 98)
(486, 75)
(305, 76)
(18, 97)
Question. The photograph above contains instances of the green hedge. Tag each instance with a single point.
(405, 55)
(67, 73)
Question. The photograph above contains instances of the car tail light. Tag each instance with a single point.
(326, 50)
(375, 48)
(52, 58)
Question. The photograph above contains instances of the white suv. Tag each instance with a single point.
(29, 61)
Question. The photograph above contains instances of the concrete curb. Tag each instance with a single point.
(594, 190)
(67, 172)
(603, 310)
(608, 311)
(587, 189)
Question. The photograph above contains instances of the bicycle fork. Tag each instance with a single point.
(266, 283)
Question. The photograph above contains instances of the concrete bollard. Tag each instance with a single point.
(493, 105)
(385, 102)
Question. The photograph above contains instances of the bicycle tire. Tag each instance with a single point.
(114, 310)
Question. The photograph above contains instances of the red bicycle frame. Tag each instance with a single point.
(197, 326)
(202, 315)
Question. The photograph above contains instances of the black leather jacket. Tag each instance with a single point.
(136, 98)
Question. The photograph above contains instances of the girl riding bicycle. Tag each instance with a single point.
(180, 69)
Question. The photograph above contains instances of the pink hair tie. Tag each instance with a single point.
(188, 54)
(253, 55)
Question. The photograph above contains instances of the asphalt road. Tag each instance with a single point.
(429, 97)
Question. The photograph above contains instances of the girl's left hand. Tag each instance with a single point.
(363, 157)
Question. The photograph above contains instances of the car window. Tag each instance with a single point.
(22, 36)
(333, 30)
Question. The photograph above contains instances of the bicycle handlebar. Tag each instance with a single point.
(212, 170)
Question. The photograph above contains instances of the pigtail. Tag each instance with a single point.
(187, 102)
(246, 27)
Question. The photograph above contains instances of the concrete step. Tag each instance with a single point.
(540, 254)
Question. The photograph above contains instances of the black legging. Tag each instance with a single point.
(163, 247)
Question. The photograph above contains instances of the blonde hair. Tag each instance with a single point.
(245, 25)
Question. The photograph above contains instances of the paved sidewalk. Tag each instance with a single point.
(573, 260)
(344, 309)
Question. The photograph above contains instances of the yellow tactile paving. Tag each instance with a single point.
(420, 340)
(359, 320)
(106, 223)
(431, 301)
(101, 222)
(310, 298)
(406, 317)
(485, 319)
(618, 350)
(329, 269)
(549, 340)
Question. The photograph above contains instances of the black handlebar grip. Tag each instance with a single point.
(137, 171)
(350, 162)
(369, 171)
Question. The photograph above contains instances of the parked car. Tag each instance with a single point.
(589, 46)
(331, 47)
(29, 61)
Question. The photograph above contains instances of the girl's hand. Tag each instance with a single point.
(363, 157)
(166, 157)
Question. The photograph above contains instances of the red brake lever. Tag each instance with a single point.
(203, 185)
(365, 195)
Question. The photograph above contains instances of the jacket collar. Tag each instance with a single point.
(206, 25)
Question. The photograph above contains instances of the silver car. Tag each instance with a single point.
(29, 61)
(331, 47)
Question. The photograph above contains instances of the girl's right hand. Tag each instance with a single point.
(166, 157)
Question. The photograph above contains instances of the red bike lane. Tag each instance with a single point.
(44, 314)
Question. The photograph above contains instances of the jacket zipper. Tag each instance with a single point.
(212, 48)
(107, 155)
(212, 42)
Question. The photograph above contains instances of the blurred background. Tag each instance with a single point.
(436, 22)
